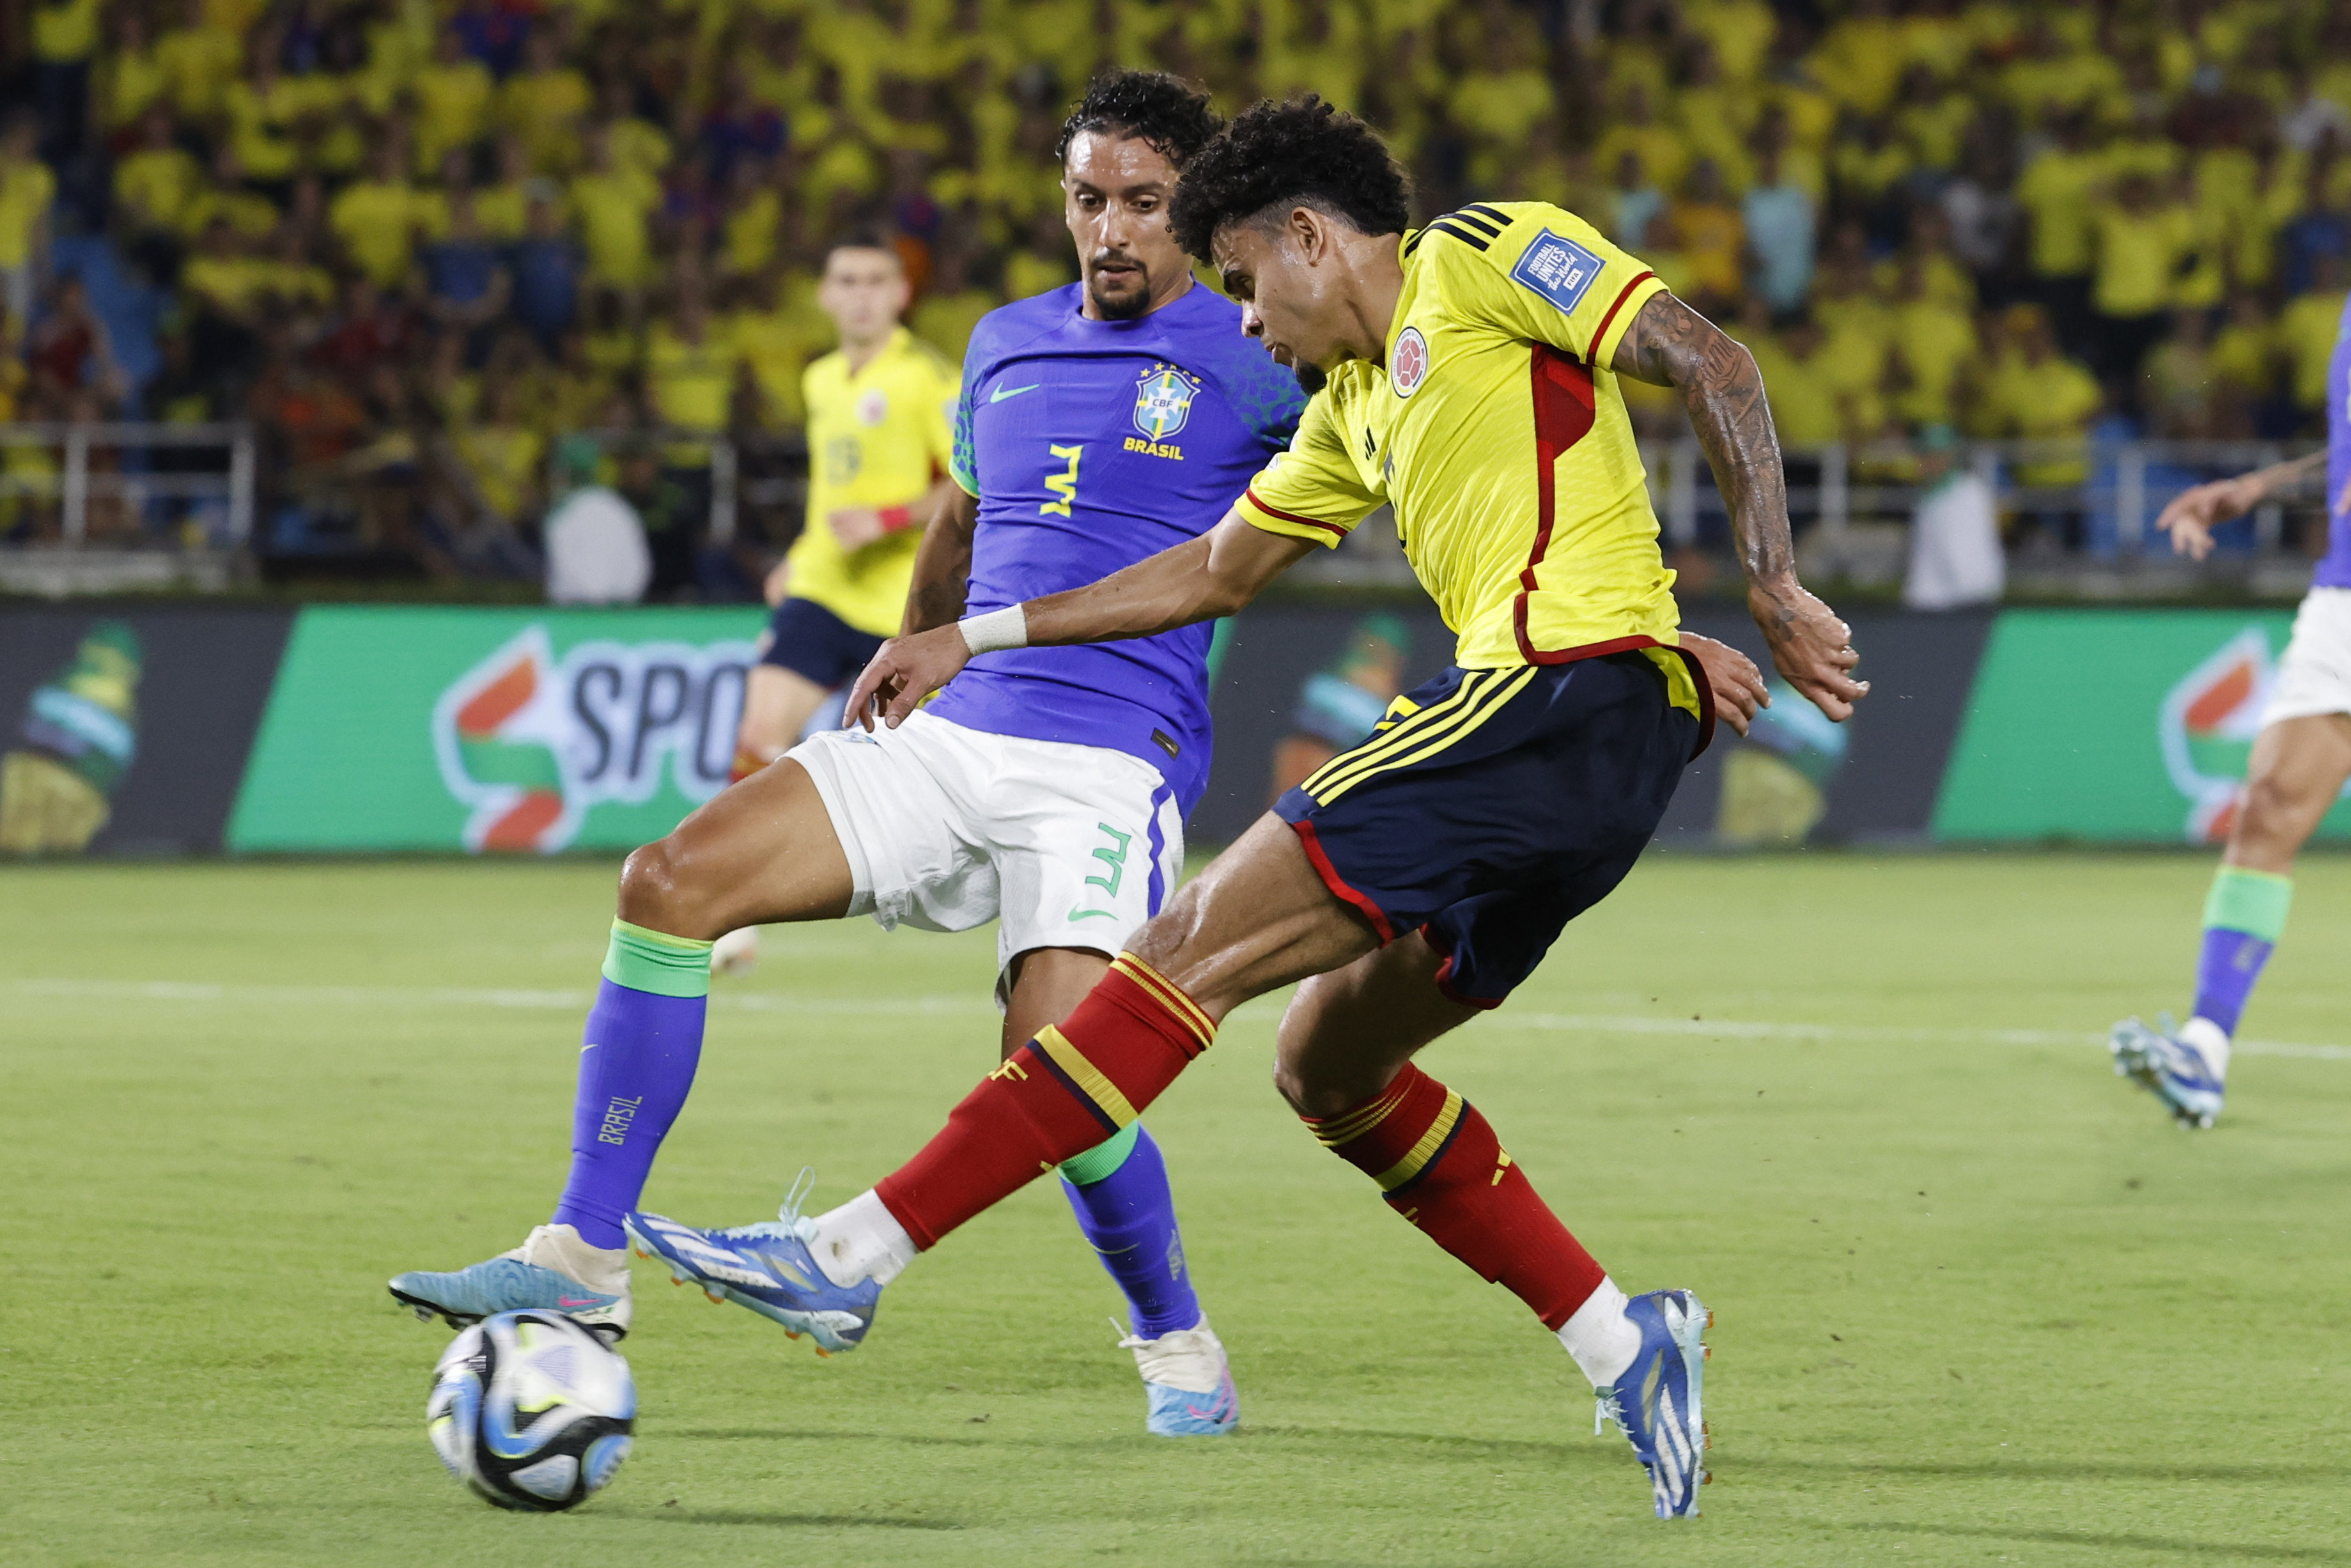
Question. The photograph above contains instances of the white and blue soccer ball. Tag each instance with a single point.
(531, 1411)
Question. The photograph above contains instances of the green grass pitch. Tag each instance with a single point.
(1978, 1302)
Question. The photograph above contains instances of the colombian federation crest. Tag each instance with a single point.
(1163, 402)
(1408, 367)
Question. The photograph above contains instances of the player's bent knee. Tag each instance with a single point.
(2277, 815)
(1301, 1094)
(656, 891)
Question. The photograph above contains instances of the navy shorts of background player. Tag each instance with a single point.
(810, 640)
(1492, 807)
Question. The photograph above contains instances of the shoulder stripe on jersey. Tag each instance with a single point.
(1464, 218)
(1605, 321)
(1494, 214)
(1413, 243)
(1442, 226)
(1292, 517)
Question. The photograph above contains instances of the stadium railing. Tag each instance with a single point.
(117, 507)
(1852, 505)
(767, 471)
(72, 480)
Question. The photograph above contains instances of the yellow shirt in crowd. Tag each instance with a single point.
(26, 190)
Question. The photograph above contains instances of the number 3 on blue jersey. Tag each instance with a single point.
(1064, 484)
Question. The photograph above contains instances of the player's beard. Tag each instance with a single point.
(1310, 377)
(1122, 308)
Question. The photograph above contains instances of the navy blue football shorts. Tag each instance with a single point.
(809, 640)
(1492, 807)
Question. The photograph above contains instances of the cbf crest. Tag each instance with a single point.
(1163, 402)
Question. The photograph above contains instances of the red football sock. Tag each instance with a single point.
(1057, 1096)
(1442, 1168)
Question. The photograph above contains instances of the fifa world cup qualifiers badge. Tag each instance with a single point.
(77, 740)
(1557, 268)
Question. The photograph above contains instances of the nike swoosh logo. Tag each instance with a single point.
(1000, 393)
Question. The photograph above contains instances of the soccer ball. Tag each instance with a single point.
(531, 1411)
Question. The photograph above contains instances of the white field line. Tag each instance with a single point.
(1734, 1028)
(455, 997)
(769, 1002)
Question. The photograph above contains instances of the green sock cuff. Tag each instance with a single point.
(655, 961)
(1097, 1163)
(2252, 902)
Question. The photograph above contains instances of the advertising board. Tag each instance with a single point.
(127, 728)
(475, 729)
(362, 729)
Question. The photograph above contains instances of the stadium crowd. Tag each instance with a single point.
(418, 243)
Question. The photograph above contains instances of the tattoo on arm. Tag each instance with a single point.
(1669, 344)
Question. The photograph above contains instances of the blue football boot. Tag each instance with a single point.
(554, 1270)
(2174, 1065)
(766, 1267)
(1657, 1404)
(1188, 1381)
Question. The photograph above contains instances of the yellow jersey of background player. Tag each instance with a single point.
(880, 437)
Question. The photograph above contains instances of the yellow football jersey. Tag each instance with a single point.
(1496, 432)
(878, 438)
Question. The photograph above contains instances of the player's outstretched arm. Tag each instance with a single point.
(1669, 344)
(1199, 579)
(942, 565)
(2193, 513)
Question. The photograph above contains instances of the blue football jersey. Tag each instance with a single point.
(2335, 568)
(1092, 445)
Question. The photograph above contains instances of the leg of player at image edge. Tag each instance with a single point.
(1119, 1189)
(643, 1042)
(2186, 1067)
(1435, 1156)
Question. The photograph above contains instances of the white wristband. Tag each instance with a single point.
(996, 631)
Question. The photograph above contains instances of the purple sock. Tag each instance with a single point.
(634, 1072)
(2225, 974)
(1130, 1216)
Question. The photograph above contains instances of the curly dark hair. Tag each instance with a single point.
(1303, 152)
(1165, 110)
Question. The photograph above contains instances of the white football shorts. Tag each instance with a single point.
(2314, 676)
(946, 828)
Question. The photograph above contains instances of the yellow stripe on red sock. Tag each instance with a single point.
(1416, 1158)
(1168, 995)
(1347, 1126)
(1085, 1075)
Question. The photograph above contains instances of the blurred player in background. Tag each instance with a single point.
(879, 444)
(1419, 877)
(2301, 760)
(1098, 423)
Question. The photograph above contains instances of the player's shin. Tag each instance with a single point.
(643, 1041)
(2244, 916)
(1439, 1165)
(1062, 1093)
(1120, 1192)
